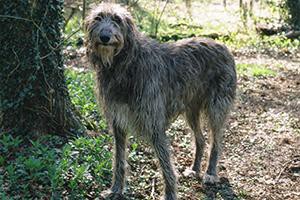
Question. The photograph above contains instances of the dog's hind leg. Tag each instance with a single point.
(193, 119)
(217, 114)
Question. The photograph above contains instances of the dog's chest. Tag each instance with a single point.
(119, 88)
(119, 97)
(123, 116)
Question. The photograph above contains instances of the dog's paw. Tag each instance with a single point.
(210, 179)
(109, 195)
(189, 173)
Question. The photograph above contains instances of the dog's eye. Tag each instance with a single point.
(98, 18)
(117, 19)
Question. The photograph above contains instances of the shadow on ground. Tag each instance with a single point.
(221, 190)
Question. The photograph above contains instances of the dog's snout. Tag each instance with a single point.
(104, 38)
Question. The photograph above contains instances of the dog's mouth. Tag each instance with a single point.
(111, 44)
(104, 44)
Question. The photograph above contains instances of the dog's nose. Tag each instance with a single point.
(104, 38)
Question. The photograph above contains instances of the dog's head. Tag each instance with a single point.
(109, 28)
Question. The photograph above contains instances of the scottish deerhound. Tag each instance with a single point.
(143, 85)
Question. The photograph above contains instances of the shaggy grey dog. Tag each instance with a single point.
(143, 85)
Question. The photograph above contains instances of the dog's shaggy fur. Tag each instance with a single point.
(143, 85)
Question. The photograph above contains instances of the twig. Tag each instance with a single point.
(133, 4)
(73, 10)
(73, 33)
(18, 65)
(55, 48)
(15, 17)
(83, 9)
(159, 19)
(153, 189)
(285, 165)
(40, 60)
(42, 32)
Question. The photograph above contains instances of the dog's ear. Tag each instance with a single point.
(131, 28)
(131, 32)
(87, 42)
(87, 23)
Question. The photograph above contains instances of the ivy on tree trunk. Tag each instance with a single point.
(33, 92)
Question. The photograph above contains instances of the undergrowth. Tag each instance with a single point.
(50, 167)
(81, 90)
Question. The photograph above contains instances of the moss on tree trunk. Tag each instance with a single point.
(33, 92)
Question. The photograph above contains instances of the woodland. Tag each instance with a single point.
(56, 144)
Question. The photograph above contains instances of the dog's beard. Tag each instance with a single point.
(106, 54)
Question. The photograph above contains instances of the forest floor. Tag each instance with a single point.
(261, 154)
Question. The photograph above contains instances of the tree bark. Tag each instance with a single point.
(33, 92)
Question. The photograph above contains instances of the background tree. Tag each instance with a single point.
(33, 93)
(293, 8)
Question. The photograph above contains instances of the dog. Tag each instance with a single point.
(142, 85)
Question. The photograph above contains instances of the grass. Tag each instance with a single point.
(252, 42)
(254, 70)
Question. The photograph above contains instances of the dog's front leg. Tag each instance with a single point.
(119, 160)
(119, 163)
(161, 148)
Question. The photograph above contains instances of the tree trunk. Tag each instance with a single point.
(293, 7)
(241, 4)
(33, 92)
(188, 5)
